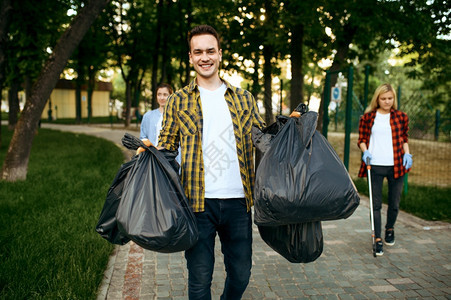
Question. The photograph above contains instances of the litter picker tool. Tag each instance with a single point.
(368, 167)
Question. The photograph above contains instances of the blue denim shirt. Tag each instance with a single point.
(149, 126)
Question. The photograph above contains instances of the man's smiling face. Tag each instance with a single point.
(205, 55)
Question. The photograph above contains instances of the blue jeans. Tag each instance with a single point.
(233, 223)
(378, 173)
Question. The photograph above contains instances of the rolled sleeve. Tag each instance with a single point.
(405, 131)
(365, 124)
(169, 138)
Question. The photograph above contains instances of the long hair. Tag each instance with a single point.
(383, 88)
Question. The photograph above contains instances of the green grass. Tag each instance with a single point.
(48, 245)
(428, 203)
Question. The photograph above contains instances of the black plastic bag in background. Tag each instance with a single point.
(107, 224)
(300, 178)
(298, 243)
(154, 211)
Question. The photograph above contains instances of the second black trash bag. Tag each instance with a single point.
(154, 211)
(300, 177)
(298, 243)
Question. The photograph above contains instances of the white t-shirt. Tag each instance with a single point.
(381, 143)
(222, 171)
(158, 128)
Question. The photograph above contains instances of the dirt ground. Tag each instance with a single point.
(431, 160)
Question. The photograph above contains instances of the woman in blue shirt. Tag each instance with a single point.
(151, 122)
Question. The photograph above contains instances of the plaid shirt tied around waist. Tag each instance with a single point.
(399, 123)
(183, 123)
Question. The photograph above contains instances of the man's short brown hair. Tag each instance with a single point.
(203, 29)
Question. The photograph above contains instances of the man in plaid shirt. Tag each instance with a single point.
(212, 121)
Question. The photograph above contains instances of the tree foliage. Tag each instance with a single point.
(261, 39)
(16, 161)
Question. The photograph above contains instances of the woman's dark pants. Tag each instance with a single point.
(378, 173)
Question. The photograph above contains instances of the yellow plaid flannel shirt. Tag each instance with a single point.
(183, 123)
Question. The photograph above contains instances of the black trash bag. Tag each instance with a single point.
(133, 143)
(298, 243)
(107, 224)
(154, 211)
(300, 178)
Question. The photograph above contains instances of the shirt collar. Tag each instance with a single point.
(193, 85)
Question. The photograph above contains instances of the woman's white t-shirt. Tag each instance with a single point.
(381, 142)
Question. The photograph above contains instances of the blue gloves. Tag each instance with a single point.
(407, 161)
(366, 155)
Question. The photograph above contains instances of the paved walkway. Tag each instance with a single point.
(418, 266)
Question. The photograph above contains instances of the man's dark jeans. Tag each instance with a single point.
(233, 223)
(378, 173)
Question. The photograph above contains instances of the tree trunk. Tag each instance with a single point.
(128, 102)
(268, 54)
(13, 102)
(136, 97)
(28, 85)
(91, 85)
(297, 74)
(156, 55)
(165, 60)
(189, 21)
(77, 102)
(137, 91)
(267, 75)
(15, 166)
(184, 67)
(78, 84)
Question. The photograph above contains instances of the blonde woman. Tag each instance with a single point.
(383, 139)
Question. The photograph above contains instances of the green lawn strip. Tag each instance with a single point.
(48, 246)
